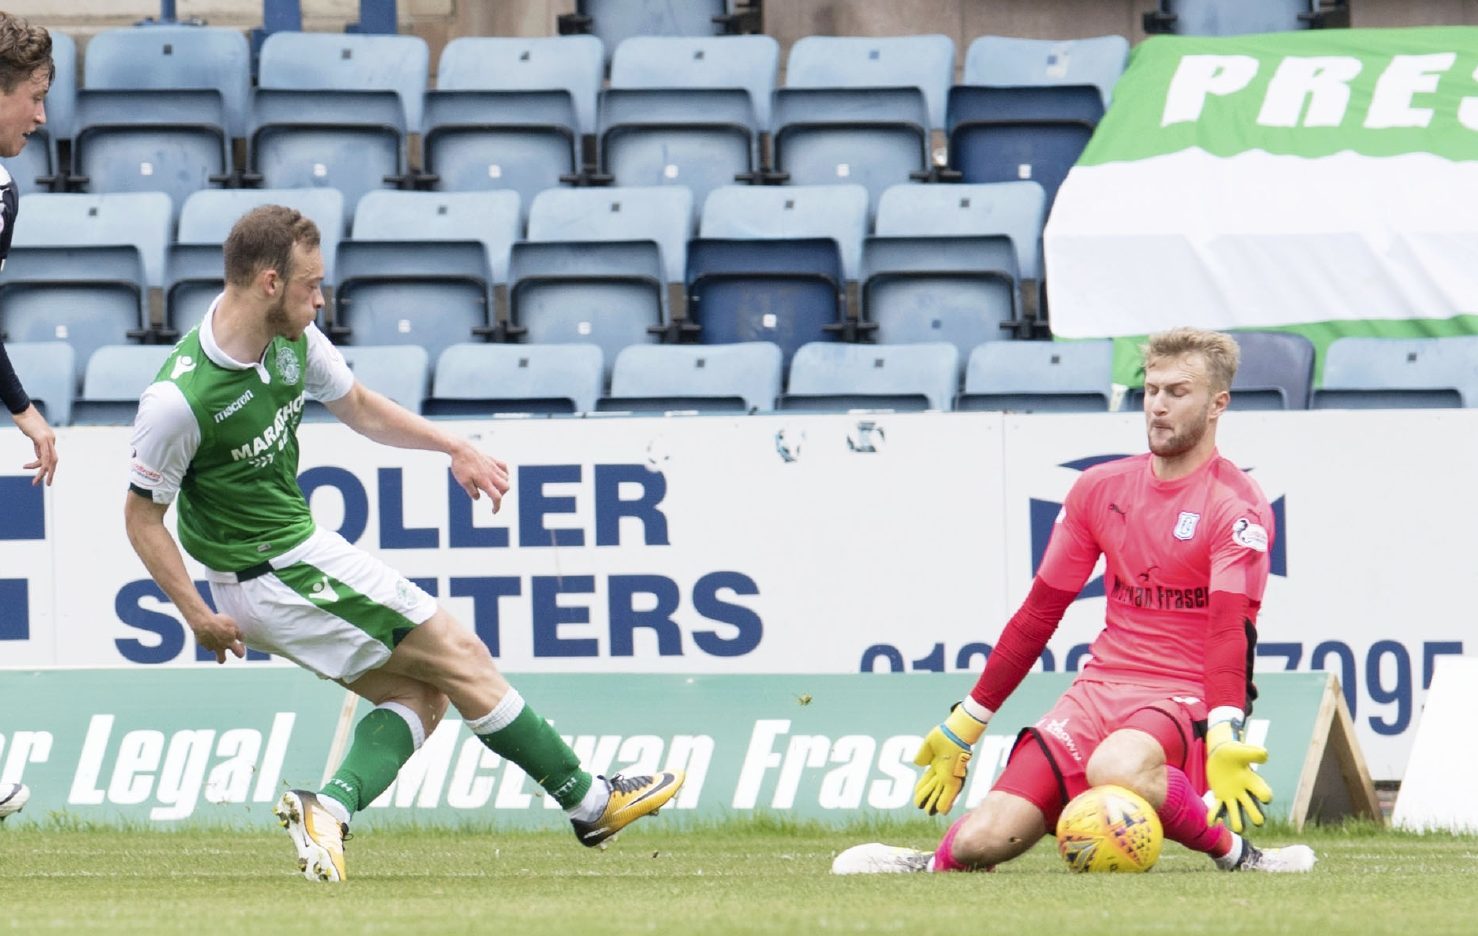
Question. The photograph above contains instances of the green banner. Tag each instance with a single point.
(1375, 92)
(219, 746)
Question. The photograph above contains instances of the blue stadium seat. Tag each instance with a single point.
(1002, 61)
(431, 293)
(173, 142)
(786, 291)
(47, 369)
(737, 378)
(87, 296)
(194, 274)
(34, 168)
(1386, 373)
(322, 61)
(491, 379)
(615, 21)
(923, 62)
(573, 64)
(828, 377)
(1005, 134)
(835, 211)
(352, 141)
(490, 217)
(174, 57)
(1016, 209)
(962, 290)
(139, 219)
(209, 215)
(1218, 18)
(608, 293)
(61, 100)
(1039, 377)
(399, 372)
(691, 62)
(657, 213)
(1276, 371)
(974, 104)
(115, 378)
(699, 139)
(873, 137)
(523, 141)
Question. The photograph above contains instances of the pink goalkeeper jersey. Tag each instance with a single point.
(1168, 546)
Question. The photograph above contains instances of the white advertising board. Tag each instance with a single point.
(799, 544)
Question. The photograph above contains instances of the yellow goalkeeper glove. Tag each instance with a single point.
(945, 757)
(1229, 774)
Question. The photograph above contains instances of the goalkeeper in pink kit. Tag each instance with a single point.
(1160, 706)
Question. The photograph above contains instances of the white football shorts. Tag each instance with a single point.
(326, 605)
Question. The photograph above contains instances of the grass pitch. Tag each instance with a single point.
(669, 877)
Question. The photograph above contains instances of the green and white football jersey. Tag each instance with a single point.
(222, 435)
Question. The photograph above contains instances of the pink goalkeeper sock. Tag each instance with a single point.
(945, 853)
(1184, 817)
(944, 858)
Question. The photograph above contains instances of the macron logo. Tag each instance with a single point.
(182, 365)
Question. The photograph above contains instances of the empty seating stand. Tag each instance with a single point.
(735, 378)
(172, 58)
(1386, 373)
(115, 378)
(1000, 61)
(700, 139)
(615, 21)
(838, 212)
(844, 377)
(431, 293)
(956, 289)
(788, 291)
(1039, 377)
(1005, 134)
(175, 142)
(510, 113)
(1216, 18)
(494, 379)
(47, 369)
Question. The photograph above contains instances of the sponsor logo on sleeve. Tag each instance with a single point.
(1249, 534)
(145, 475)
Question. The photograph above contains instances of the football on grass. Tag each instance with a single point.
(1109, 828)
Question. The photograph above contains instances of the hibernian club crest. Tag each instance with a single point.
(287, 365)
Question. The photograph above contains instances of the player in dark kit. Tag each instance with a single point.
(26, 71)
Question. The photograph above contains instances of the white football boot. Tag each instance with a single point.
(13, 798)
(317, 835)
(1290, 859)
(877, 858)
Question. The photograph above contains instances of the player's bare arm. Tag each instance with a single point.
(375, 417)
(34, 426)
(144, 521)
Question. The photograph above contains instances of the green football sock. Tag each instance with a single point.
(382, 744)
(530, 742)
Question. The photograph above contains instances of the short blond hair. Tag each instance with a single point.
(1218, 349)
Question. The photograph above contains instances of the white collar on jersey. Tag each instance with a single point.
(213, 350)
